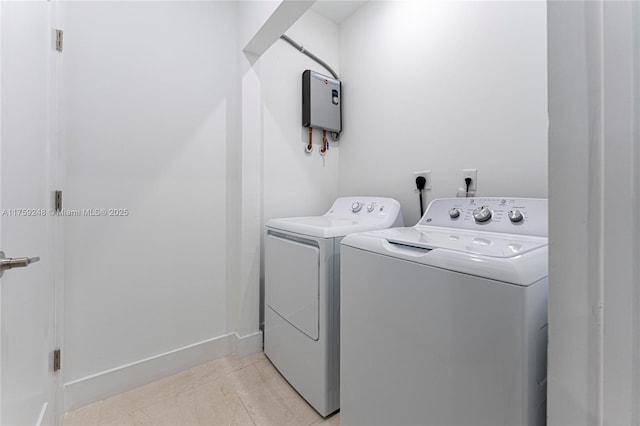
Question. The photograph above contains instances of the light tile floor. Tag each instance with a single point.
(228, 391)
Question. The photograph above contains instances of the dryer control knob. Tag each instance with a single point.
(356, 207)
(454, 213)
(482, 214)
(370, 208)
(515, 216)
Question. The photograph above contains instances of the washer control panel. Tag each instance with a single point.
(526, 216)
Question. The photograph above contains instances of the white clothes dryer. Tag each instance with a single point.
(302, 289)
(445, 323)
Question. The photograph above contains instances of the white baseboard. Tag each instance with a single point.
(105, 384)
(247, 345)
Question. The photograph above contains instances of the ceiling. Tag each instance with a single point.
(337, 10)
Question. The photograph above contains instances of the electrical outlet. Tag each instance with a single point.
(426, 174)
(473, 174)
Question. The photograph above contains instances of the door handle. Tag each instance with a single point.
(15, 262)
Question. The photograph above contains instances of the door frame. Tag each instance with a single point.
(56, 182)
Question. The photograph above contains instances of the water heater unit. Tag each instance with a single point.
(321, 102)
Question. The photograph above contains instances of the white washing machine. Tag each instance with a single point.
(445, 323)
(302, 299)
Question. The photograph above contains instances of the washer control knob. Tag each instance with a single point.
(515, 216)
(454, 213)
(370, 208)
(482, 214)
(356, 207)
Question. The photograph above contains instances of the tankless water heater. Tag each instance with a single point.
(321, 102)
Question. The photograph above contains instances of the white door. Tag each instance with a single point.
(26, 294)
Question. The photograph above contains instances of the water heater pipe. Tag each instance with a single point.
(309, 147)
(323, 150)
(309, 54)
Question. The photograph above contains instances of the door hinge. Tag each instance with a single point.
(58, 201)
(59, 40)
(56, 360)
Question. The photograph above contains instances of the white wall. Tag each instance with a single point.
(443, 86)
(594, 281)
(296, 183)
(150, 104)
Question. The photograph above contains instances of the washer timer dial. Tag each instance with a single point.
(515, 216)
(356, 207)
(482, 214)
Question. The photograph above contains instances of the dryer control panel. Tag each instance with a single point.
(364, 207)
(524, 216)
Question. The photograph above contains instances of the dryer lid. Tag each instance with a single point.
(347, 215)
(322, 226)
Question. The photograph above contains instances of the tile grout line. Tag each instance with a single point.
(244, 407)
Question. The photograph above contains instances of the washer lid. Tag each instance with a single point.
(474, 242)
(520, 260)
(347, 215)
